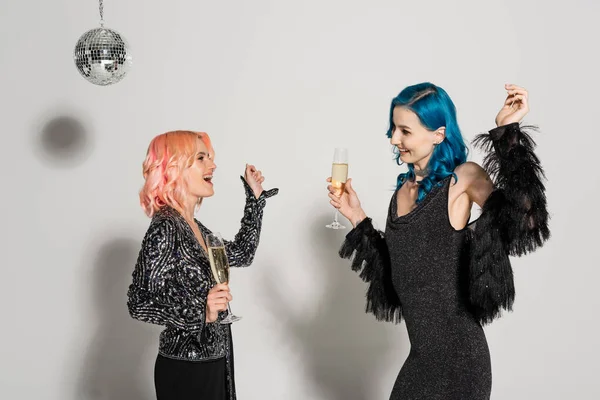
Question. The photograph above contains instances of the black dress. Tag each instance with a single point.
(446, 283)
(449, 356)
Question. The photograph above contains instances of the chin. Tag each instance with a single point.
(207, 193)
(405, 159)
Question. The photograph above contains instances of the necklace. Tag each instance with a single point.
(421, 172)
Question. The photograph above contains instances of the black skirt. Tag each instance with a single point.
(183, 380)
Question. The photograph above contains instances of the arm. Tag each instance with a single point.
(369, 253)
(242, 249)
(367, 249)
(519, 198)
(162, 291)
(514, 219)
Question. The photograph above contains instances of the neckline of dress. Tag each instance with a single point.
(393, 212)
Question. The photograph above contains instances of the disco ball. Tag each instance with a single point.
(102, 56)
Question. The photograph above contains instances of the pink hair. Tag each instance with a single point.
(169, 154)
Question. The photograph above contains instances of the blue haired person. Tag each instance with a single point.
(444, 276)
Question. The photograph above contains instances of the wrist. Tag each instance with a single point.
(358, 217)
(211, 317)
(507, 121)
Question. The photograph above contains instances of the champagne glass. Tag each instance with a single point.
(220, 267)
(339, 175)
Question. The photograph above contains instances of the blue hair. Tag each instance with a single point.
(435, 109)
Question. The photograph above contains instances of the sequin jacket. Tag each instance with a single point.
(513, 222)
(172, 278)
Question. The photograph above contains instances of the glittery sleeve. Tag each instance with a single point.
(164, 292)
(513, 222)
(241, 250)
(367, 249)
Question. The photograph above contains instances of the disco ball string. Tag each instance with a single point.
(102, 56)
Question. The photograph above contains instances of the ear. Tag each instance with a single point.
(440, 135)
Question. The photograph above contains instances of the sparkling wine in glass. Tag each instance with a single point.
(339, 175)
(220, 267)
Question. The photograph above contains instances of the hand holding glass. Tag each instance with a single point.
(220, 267)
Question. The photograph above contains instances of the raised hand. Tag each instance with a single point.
(516, 105)
(254, 178)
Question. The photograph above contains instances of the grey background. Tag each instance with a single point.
(279, 84)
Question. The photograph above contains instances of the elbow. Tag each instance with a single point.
(136, 310)
(244, 261)
(241, 256)
(137, 314)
